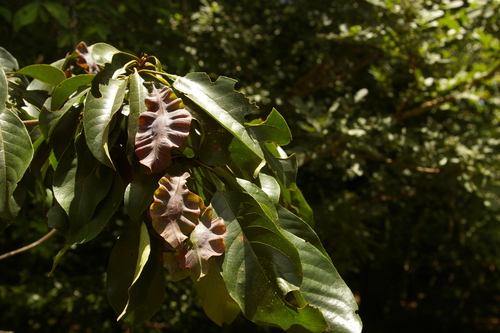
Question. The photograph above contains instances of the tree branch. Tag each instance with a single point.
(391, 161)
(443, 99)
(30, 246)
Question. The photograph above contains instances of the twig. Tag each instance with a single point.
(443, 99)
(391, 161)
(30, 246)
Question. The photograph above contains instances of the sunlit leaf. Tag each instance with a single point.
(44, 73)
(205, 241)
(261, 266)
(223, 103)
(321, 286)
(175, 210)
(98, 115)
(137, 95)
(16, 152)
(7, 61)
(274, 128)
(164, 126)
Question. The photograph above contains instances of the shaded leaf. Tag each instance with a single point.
(26, 15)
(219, 306)
(164, 126)
(213, 149)
(104, 210)
(80, 184)
(139, 195)
(58, 12)
(175, 210)
(49, 120)
(98, 115)
(67, 87)
(146, 295)
(126, 262)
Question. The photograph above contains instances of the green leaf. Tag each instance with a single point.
(273, 129)
(97, 116)
(67, 87)
(321, 286)
(294, 199)
(80, 184)
(45, 73)
(7, 61)
(221, 102)
(261, 197)
(126, 262)
(214, 147)
(139, 194)
(261, 267)
(4, 90)
(25, 16)
(103, 53)
(285, 167)
(58, 12)
(271, 187)
(103, 212)
(219, 306)
(146, 295)
(50, 120)
(137, 95)
(16, 152)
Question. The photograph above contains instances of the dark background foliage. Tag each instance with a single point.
(394, 108)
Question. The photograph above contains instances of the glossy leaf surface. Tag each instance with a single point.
(98, 116)
(322, 286)
(221, 102)
(44, 73)
(261, 266)
(16, 152)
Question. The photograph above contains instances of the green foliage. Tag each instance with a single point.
(256, 251)
(393, 106)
